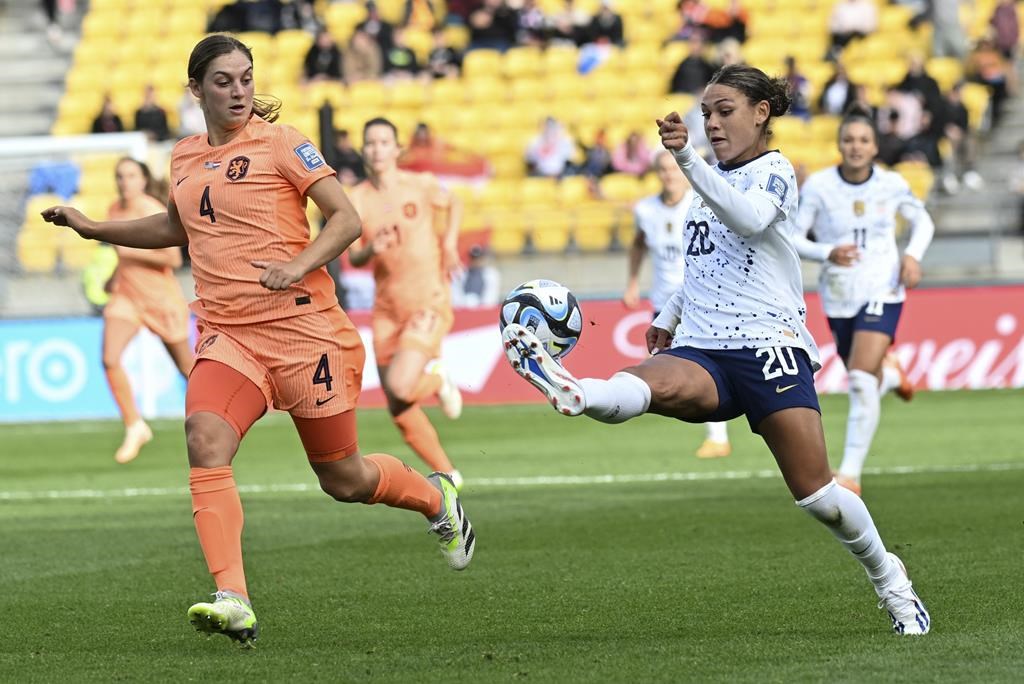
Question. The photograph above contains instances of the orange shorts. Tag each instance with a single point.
(169, 323)
(309, 365)
(422, 330)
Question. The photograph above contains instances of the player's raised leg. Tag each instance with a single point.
(797, 441)
(221, 405)
(117, 333)
(894, 378)
(332, 447)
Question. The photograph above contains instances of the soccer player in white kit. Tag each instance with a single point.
(740, 345)
(853, 210)
(660, 220)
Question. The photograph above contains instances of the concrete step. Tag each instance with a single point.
(27, 99)
(16, 124)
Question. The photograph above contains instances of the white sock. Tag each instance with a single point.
(846, 516)
(617, 399)
(890, 380)
(717, 432)
(861, 422)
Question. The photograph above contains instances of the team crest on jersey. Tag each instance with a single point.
(310, 156)
(858, 207)
(409, 209)
(778, 187)
(237, 168)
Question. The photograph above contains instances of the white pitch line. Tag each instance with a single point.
(538, 481)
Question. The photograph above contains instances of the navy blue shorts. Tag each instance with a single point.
(755, 382)
(882, 318)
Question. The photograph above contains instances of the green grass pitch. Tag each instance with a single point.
(707, 572)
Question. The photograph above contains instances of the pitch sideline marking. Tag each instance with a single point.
(537, 481)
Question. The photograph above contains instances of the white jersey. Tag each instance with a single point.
(743, 287)
(862, 214)
(663, 227)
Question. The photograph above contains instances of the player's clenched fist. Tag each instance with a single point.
(277, 275)
(674, 133)
(69, 217)
(657, 339)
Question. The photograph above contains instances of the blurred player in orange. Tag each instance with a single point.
(410, 231)
(271, 332)
(143, 292)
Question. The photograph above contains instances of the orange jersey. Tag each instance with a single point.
(146, 284)
(245, 201)
(408, 272)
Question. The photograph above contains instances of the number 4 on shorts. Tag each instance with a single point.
(322, 376)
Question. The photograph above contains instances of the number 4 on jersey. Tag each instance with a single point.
(205, 206)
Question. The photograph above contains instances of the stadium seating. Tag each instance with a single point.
(497, 104)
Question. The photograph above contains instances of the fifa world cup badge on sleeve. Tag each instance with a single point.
(778, 187)
(310, 156)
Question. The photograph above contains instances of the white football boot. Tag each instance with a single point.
(905, 607)
(529, 358)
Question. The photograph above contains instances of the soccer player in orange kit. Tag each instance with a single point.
(271, 332)
(410, 231)
(143, 292)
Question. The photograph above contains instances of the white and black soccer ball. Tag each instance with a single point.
(548, 310)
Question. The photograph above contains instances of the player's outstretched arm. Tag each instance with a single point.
(151, 232)
(343, 227)
(744, 214)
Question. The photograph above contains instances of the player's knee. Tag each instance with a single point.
(400, 393)
(679, 391)
(111, 361)
(347, 489)
(211, 442)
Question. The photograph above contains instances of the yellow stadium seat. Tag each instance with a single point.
(824, 128)
(93, 53)
(484, 90)
(641, 58)
(569, 89)
(508, 234)
(37, 252)
(144, 22)
(549, 231)
(186, 22)
(789, 129)
(594, 224)
(367, 95)
(499, 193)
(508, 166)
(406, 95)
(894, 19)
(76, 252)
(445, 91)
(976, 99)
(538, 191)
(420, 42)
(521, 62)
(608, 85)
(482, 63)
(945, 70)
(102, 25)
(573, 191)
(672, 54)
(645, 84)
(292, 44)
(560, 60)
(647, 33)
(456, 36)
(525, 89)
(621, 187)
(918, 175)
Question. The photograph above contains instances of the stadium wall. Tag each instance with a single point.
(949, 338)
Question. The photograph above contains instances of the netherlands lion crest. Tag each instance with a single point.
(237, 168)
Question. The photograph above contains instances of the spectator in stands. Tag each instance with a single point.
(987, 65)
(459, 11)
(632, 156)
(799, 90)
(851, 19)
(919, 81)
(838, 93)
(479, 284)
(400, 61)
(597, 160)
(568, 27)
(533, 25)
(323, 61)
(493, 26)
(551, 152)
(190, 115)
(150, 117)
(721, 24)
(962, 140)
(107, 121)
(691, 20)
(1016, 184)
(345, 159)
(694, 72)
(420, 15)
(53, 30)
(363, 60)
(730, 52)
(605, 26)
(1006, 25)
(444, 60)
(947, 33)
(299, 15)
(376, 28)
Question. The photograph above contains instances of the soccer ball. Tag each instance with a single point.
(549, 311)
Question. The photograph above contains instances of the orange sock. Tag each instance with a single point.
(419, 434)
(122, 391)
(217, 513)
(428, 385)
(402, 487)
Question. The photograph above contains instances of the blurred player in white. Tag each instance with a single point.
(660, 223)
(853, 210)
(732, 340)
